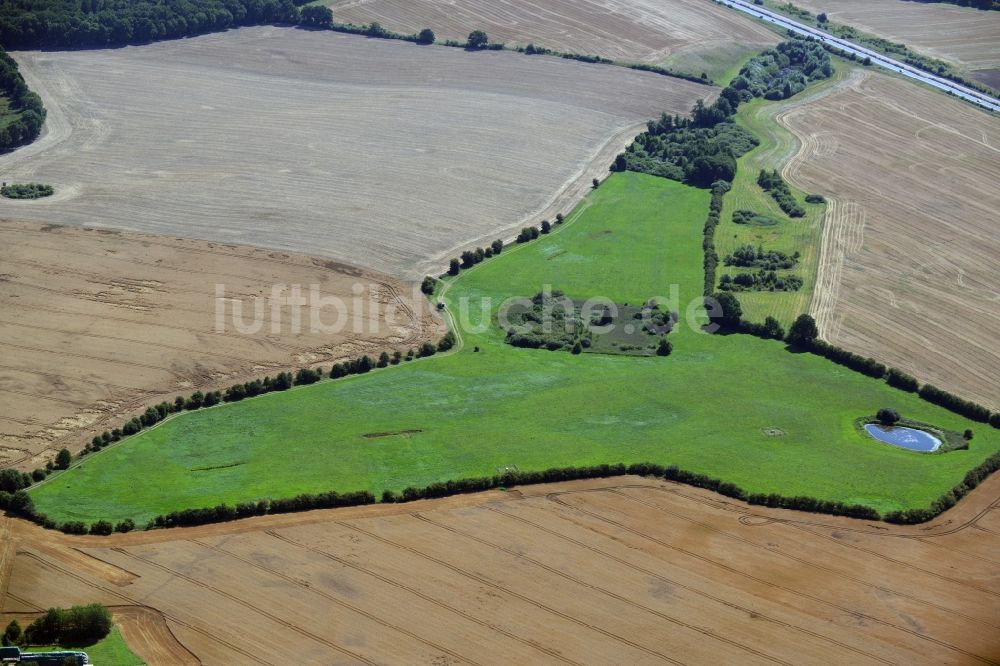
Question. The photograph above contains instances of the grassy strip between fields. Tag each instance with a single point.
(735, 408)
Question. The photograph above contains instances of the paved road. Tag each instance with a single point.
(974, 96)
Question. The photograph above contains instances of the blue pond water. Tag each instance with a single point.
(905, 438)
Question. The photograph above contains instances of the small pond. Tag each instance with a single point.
(906, 438)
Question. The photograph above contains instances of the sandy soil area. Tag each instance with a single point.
(96, 324)
(634, 30)
(910, 266)
(324, 143)
(601, 571)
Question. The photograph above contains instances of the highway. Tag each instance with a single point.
(974, 96)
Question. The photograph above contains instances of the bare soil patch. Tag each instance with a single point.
(990, 77)
(595, 571)
(634, 30)
(360, 150)
(961, 35)
(95, 325)
(910, 258)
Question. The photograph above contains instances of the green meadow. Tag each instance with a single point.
(469, 413)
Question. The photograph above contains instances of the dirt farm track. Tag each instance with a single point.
(623, 570)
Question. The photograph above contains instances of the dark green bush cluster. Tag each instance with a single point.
(552, 322)
(587, 58)
(762, 280)
(815, 198)
(784, 70)
(680, 149)
(862, 364)
(748, 256)
(771, 329)
(79, 625)
(772, 183)
(749, 217)
(901, 380)
(90, 24)
(703, 148)
(952, 402)
(26, 190)
(711, 260)
(31, 113)
(468, 259)
(224, 512)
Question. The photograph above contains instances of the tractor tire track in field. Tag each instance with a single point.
(246, 604)
(755, 613)
(555, 498)
(253, 658)
(340, 602)
(509, 592)
(803, 561)
(440, 604)
(707, 632)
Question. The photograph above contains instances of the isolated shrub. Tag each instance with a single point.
(307, 376)
(338, 370)
(887, 416)
(968, 434)
(427, 286)
(901, 380)
(477, 40)
(383, 360)
(803, 332)
(126, 525)
(426, 36)
(446, 342)
(12, 634)
(559, 218)
(664, 347)
(546, 227)
(101, 527)
(63, 459)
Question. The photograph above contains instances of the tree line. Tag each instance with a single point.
(25, 106)
(79, 625)
(772, 183)
(307, 501)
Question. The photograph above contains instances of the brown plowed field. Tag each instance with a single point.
(633, 30)
(624, 570)
(910, 265)
(967, 37)
(366, 151)
(95, 324)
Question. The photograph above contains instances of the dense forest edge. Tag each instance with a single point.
(25, 115)
(72, 24)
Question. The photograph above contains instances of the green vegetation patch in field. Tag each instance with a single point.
(706, 408)
(109, 651)
(26, 191)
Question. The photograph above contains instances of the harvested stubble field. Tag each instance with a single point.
(910, 260)
(967, 37)
(622, 570)
(97, 323)
(632, 30)
(362, 150)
